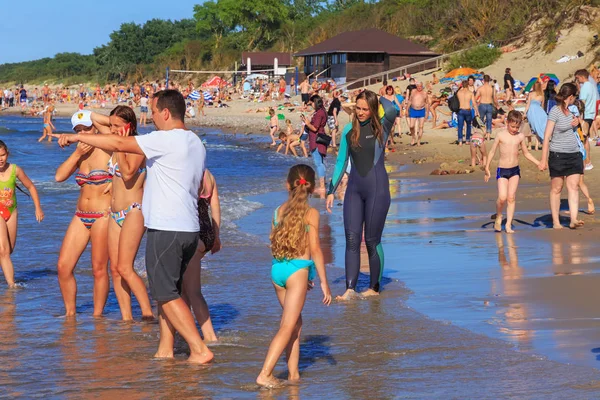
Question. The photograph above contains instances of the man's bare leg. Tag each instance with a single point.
(178, 317)
(412, 131)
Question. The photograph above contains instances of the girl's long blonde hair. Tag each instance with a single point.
(288, 236)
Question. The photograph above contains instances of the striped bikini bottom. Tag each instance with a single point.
(119, 216)
(89, 217)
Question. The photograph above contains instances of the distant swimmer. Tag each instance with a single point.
(367, 199)
(9, 173)
(508, 174)
(297, 259)
(418, 109)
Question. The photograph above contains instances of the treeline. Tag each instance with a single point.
(221, 29)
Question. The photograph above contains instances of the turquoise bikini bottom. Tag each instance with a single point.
(282, 270)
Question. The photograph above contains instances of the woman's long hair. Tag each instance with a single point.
(537, 89)
(288, 237)
(566, 90)
(373, 104)
(127, 114)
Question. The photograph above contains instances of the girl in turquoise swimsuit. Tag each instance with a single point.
(126, 225)
(296, 256)
(9, 173)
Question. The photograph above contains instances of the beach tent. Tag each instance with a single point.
(455, 73)
(533, 80)
(215, 81)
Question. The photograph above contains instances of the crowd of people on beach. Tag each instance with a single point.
(158, 184)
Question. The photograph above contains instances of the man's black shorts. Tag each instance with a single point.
(167, 256)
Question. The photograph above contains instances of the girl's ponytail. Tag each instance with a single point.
(288, 237)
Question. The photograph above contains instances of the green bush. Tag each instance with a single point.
(477, 58)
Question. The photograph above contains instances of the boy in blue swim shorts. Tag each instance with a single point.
(508, 173)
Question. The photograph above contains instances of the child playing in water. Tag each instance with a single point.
(294, 140)
(9, 173)
(283, 142)
(508, 173)
(273, 125)
(296, 252)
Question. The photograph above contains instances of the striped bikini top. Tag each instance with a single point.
(113, 168)
(95, 177)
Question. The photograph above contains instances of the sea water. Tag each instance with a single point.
(377, 348)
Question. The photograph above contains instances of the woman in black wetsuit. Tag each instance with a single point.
(367, 198)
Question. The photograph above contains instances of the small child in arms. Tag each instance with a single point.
(297, 259)
(508, 173)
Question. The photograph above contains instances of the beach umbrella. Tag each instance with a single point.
(533, 80)
(195, 95)
(460, 72)
(207, 96)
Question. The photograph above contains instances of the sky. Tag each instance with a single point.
(33, 29)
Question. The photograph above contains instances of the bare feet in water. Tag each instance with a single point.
(369, 293)
(201, 358)
(509, 228)
(163, 355)
(349, 294)
(576, 224)
(268, 381)
(498, 223)
(557, 226)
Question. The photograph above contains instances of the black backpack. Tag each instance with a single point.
(454, 103)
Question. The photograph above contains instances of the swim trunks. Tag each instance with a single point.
(412, 113)
(305, 98)
(508, 173)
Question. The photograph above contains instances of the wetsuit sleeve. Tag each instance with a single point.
(342, 161)
(388, 118)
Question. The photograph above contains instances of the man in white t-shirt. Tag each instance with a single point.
(175, 162)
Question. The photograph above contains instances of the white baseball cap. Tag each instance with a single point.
(83, 117)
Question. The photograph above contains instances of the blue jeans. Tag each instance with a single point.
(319, 163)
(486, 111)
(464, 116)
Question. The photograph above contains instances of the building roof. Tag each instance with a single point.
(367, 41)
(266, 58)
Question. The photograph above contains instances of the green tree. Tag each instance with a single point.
(214, 18)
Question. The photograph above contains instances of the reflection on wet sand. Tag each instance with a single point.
(8, 343)
(515, 314)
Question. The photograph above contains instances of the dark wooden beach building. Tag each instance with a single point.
(353, 55)
(265, 60)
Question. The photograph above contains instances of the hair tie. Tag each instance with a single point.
(302, 181)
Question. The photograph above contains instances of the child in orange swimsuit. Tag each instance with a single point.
(9, 173)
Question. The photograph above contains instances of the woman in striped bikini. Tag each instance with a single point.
(91, 218)
(126, 227)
